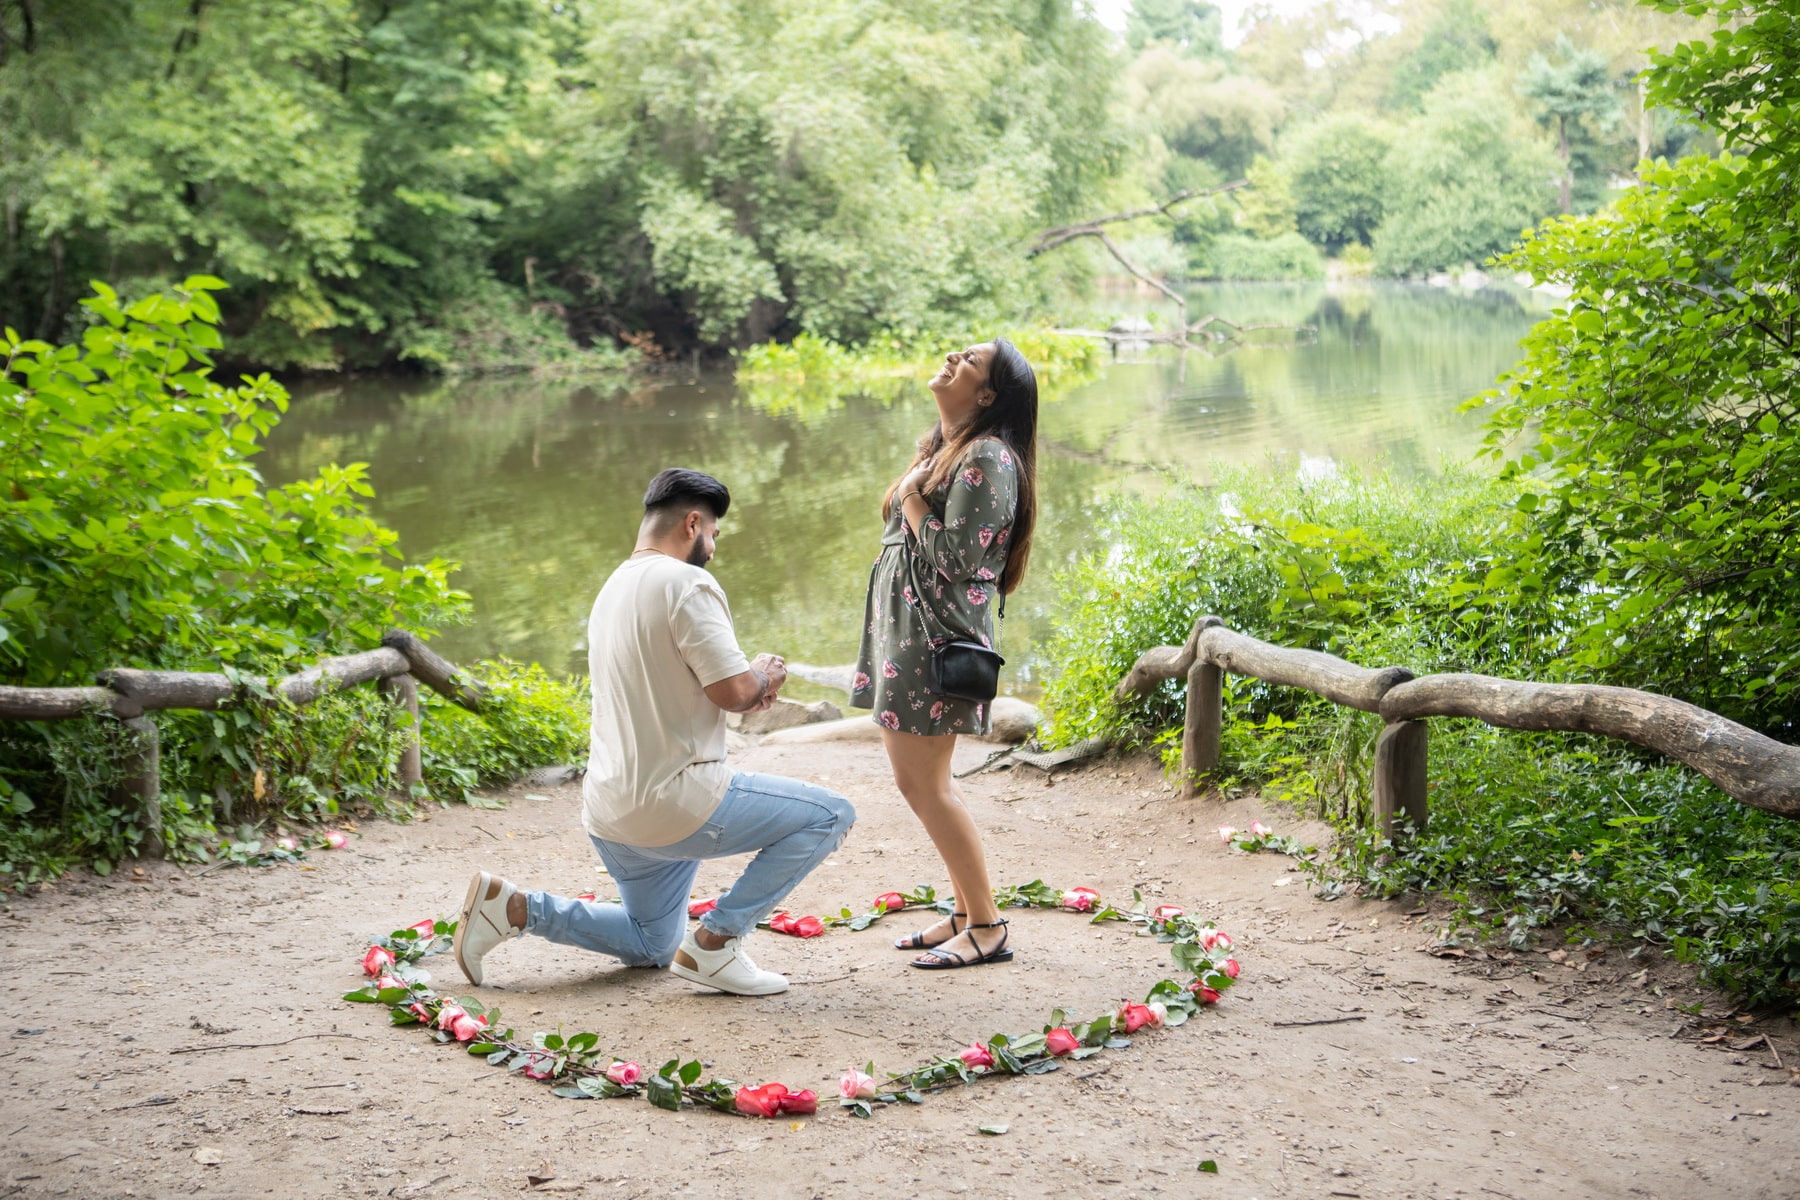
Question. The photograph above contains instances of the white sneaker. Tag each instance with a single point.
(728, 968)
(483, 924)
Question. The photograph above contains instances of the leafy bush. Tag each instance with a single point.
(1465, 177)
(1659, 406)
(1290, 256)
(136, 531)
(1336, 172)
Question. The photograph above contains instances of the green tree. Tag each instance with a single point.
(1457, 40)
(1336, 170)
(1194, 28)
(1658, 408)
(1577, 99)
(1465, 177)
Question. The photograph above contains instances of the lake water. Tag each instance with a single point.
(535, 486)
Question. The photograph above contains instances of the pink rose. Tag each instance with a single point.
(418, 1009)
(890, 902)
(973, 477)
(1134, 1017)
(1226, 833)
(1000, 538)
(906, 594)
(376, 961)
(1230, 967)
(1168, 912)
(1005, 459)
(539, 1064)
(625, 1074)
(389, 981)
(800, 1103)
(449, 1013)
(890, 719)
(934, 524)
(1207, 995)
(977, 595)
(764, 1101)
(467, 1028)
(985, 535)
(937, 710)
(854, 1085)
(1081, 899)
(425, 929)
(976, 1055)
(1258, 829)
(985, 575)
(889, 670)
(1159, 1012)
(287, 843)
(699, 908)
(1060, 1042)
(1212, 939)
(336, 839)
(859, 682)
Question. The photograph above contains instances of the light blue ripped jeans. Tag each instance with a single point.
(790, 826)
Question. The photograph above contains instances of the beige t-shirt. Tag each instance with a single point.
(660, 633)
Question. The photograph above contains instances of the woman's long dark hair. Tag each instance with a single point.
(1012, 418)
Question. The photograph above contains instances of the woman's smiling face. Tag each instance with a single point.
(962, 385)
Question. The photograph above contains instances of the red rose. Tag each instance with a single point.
(800, 1103)
(801, 927)
(976, 1055)
(764, 1101)
(700, 908)
(539, 1064)
(425, 929)
(889, 902)
(467, 1028)
(418, 1009)
(1081, 899)
(590, 897)
(1168, 912)
(389, 981)
(1134, 1017)
(1230, 967)
(1060, 1042)
(1207, 995)
(376, 961)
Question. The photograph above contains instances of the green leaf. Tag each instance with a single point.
(1209, 1166)
(663, 1092)
(690, 1072)
(993, 1130)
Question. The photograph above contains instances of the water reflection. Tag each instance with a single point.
(535, 487)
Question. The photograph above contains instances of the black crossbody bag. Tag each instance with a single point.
(967, 670)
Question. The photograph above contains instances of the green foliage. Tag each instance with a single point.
(530, 718)
(1288, 256)
(1335, 170)
(136, 531)
(1465, 178)
(1457, 40)
(1658, 407)
(1536, 832)
(1194, 28)
(813, 375)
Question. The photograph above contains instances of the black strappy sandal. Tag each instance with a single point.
(938, 959)
(916, 940)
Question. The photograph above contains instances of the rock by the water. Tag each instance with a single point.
(786, 714)
(1013, 721)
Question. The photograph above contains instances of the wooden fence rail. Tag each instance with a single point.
(1750, 768)
(128, 696)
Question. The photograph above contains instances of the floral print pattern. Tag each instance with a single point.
(938, 586)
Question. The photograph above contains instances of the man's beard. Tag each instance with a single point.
(698, 556)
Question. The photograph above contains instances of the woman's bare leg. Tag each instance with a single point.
(922, 772)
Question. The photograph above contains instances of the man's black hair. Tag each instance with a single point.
(679, 487)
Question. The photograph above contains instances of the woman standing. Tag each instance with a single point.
(957, 539)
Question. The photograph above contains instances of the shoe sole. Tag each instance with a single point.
(477, 888)
(1002, 956)
(693, 976)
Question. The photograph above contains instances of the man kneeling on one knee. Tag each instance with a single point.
(658, 797)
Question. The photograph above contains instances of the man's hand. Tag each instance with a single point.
(753, 690)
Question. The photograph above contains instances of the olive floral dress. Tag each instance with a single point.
(940, 586)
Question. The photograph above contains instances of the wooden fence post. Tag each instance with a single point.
(141, 784)
(404, 691)
(1200, 736)
(1400, 757)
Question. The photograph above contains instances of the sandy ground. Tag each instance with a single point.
(1512, 1076)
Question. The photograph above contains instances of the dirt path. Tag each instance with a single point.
(1466, 1077)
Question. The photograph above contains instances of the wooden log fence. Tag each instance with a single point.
(128, 696)
(1745, 765)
